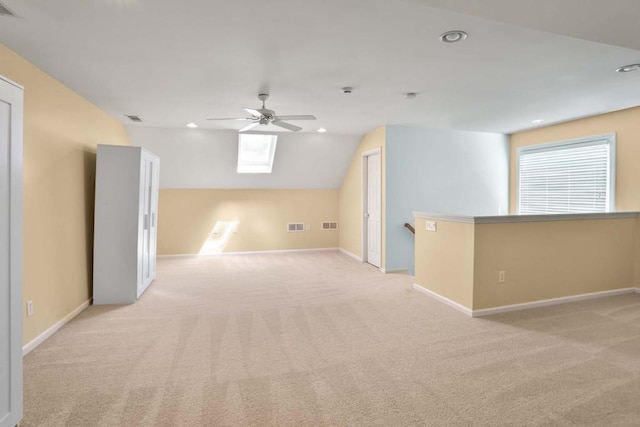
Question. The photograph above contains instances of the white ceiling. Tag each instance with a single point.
(175, 62)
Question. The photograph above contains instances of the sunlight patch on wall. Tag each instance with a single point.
(219, 237)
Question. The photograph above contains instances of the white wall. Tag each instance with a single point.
(437, 170)
(204, 158)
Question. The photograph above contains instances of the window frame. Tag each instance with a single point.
(610, 139)
(268, 165)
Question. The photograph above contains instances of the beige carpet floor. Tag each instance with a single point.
(320, 339)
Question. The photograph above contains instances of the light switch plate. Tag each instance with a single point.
(432, 226)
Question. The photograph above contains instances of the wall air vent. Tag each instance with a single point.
(133, 118)
(329, 225)
(5, 11)
(294, 227)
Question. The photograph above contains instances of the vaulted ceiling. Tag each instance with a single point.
(173, 62)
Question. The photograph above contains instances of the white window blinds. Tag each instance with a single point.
(568, 177)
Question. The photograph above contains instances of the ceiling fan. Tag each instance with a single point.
(264, 116)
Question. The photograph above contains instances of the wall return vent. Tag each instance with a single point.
(294, 227)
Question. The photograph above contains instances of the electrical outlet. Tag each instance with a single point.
(432, 226)
(29, 308)
(502, 276)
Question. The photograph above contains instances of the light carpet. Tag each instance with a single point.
(321, 339)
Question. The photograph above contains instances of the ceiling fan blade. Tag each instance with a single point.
(231, 119)
(302, 117)
(249, 127)
(253, 112)
(286, 126)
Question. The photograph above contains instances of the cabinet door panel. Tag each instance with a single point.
(10, 254)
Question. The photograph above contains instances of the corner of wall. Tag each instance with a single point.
(61, 133)
(350, 196)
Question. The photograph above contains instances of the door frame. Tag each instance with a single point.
(16, 100)
(364, 202)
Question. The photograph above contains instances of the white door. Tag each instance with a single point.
(373, 209)
(155, 178)
(10, 254)
(146, 235)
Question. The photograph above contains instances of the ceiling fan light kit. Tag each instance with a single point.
(628, 68)
(263, 116)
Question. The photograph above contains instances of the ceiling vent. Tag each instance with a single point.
(5, 11)
(133, 118)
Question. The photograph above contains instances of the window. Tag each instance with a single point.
(256, 152)
(576, 176)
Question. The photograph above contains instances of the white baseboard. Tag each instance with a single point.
(445, 300)
(526, 305)
(552, 301)
(282, 251)
(394, 270)
(28, 347)
(350, 254)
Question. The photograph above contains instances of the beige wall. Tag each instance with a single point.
(552, 259)
(186, 219)
(541, 260)
(626, 125)
(444, 260)
(351, 197)
(61, 130)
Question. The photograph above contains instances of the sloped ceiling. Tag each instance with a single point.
(176, 62)
(207, 158)
(613, 22)
(173, 62)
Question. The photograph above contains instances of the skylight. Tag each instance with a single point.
(256, 152)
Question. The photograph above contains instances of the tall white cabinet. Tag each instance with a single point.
(11, 107)
(125, 225)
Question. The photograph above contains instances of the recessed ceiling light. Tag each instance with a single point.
(192, 125)
(537, 121)
(628, 68)
(322, 130)
(453, 36)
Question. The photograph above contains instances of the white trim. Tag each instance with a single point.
(445, 217)
(526, 305)
(12, 171)
(282, 251)
(554, 217)
(525, 218)
(552, 301)
(28, 347)
(372, 152)
(11, 82)
(364, 203)
(445, 300)
(394, 270)
(350, 254)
